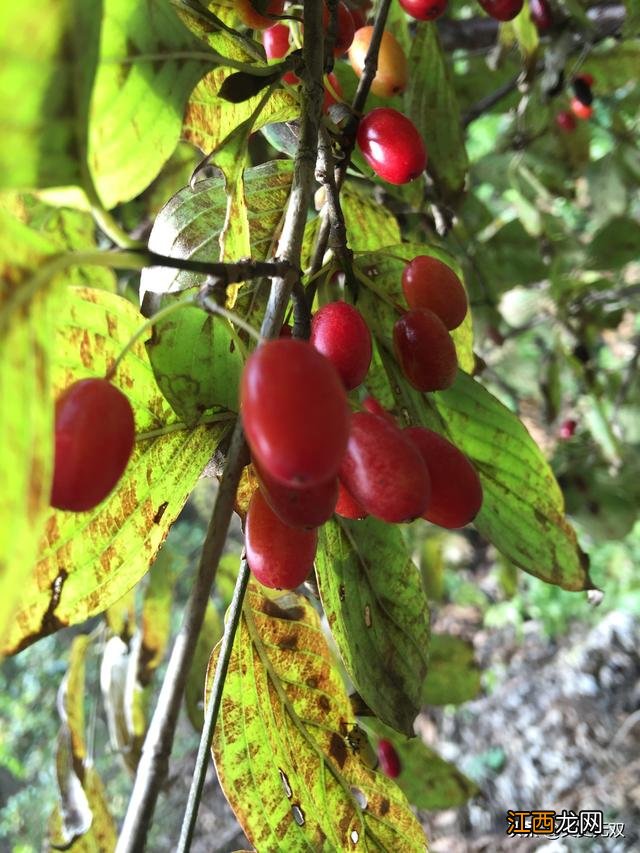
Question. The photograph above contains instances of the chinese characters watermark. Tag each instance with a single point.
(588, 823)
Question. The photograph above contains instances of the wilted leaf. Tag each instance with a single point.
(378, 614)
(428, 781)
(281, 746)
(453, 675)
(89, 560)
(26, 421)
(190, 224)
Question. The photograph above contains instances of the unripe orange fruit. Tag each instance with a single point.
(392, 73)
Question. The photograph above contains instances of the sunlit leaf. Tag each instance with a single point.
(378, 614)
(293, 778)
(89, 560)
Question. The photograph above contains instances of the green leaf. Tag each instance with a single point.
(428, 781)
(82, 816)
(89, 560)
(148, 64)
(293, 778)
(378, 614)
(631, 26)
(615, 244)
(453, 675)
(382, 299)
(209, 119)
(369, 224)
(190, 224)
(197, 361)
(432, 105)
(524, 31)
(26, 425)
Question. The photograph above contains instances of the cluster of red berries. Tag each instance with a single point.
(389, 141)
(314, 458)
(581, 104)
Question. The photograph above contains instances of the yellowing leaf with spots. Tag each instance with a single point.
(289, 755)
(87, 561)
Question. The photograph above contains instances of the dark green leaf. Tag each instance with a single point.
(617, 243)
(453, 675)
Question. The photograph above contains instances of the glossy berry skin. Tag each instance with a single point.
(383, 471)
(253, 19)
(566, 121)
(456, 492)
(429, 284)
(502, 10)
(580, 110)
(279, 556)
(347, 506)
(94, 438)
(425, 351)
(424, 10)
(389, 759)
(339, 332)
(295, 412)
(370, 404)
(541, 15)
(345, 29)
(392, 72)
(391, 145)
(275, 41)
(299, 507)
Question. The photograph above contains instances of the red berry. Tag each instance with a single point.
(502, 10)
(383, 471)
(456, 492)
(392, 72)
(345, 28)
(252, 18)
(279, 556)
(286, 331)
(370, 404)
(541, 15)
(587, 79)
(339, 332)
(359, 18)
(389, 759)
(425, 351)
(94, 437)
(566, 121)
(299, 507)
(582, 111)
(347, 506)
(295, 412)
(429, 284)
(568, 428)
(391, 145)
(424, 10)
(276, 41)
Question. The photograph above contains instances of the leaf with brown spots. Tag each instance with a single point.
(81, 815)
(282, 750)
(428, 780)
(89, 560)
(26, 422)
(378, 614)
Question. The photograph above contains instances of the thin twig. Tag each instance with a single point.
(485, 104)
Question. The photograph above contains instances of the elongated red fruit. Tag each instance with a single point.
(429, 284)
(279, 556)
(347, 506)
(252, 18)
(275, 40)
(424, 10)
(425, 351)
(383, 471)
(502, 10)
(389, 759)
(295, 412)
(456, 491)
(339, 332)
(391, 145)
(94, 437)
(309, 507)
(371, 404)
